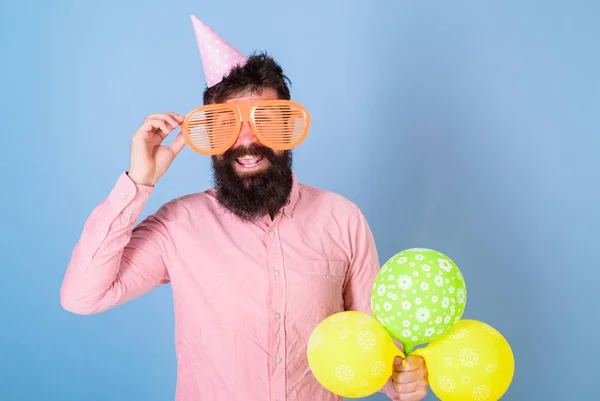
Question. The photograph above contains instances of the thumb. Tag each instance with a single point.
(178, 143)
(398, 361)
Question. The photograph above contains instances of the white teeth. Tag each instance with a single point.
(248, 157)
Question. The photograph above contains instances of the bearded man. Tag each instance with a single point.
(255, 263)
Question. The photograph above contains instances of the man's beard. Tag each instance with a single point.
(254, 195)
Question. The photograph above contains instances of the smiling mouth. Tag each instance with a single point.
(249, 161)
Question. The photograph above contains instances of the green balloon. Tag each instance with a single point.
(418, 296)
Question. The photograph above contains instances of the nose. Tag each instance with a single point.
(246, 136)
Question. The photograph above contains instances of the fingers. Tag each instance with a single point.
(413, 396)
(411, 387)
(407, 377)
(170, 115)
(157, 126)
(410, 364)
(173, 119)
(413, 391)
(410, 378)
(161, 124)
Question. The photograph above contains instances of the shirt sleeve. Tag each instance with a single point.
(113, 261)
(363, 269)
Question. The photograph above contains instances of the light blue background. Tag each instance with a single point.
(483, 116)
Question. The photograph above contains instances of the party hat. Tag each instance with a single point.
(218, 56)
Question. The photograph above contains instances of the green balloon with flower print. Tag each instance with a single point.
(418, 296)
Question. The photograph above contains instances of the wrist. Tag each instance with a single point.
(138, 180)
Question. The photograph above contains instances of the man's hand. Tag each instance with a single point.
(149, 158)
(410, 378)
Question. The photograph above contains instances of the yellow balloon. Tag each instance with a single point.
(351, 354)
(473, 361)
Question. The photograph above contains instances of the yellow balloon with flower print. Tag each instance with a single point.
(351, 354)
(472, 362)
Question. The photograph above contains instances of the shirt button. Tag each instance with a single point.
(277, 316)
(271, 233)
(123, 195)
(278, 359)
(287, 212)
(276, 273)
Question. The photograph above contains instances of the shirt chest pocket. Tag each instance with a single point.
(330, 268)
(316, 289)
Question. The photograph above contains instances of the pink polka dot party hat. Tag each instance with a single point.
(218, 55)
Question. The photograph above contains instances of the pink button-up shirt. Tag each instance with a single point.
(246, 295)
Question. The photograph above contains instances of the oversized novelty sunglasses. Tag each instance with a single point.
(214, 128)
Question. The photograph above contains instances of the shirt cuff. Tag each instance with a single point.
(128, 194)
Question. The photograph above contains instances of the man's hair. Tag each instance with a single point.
(260, 72)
